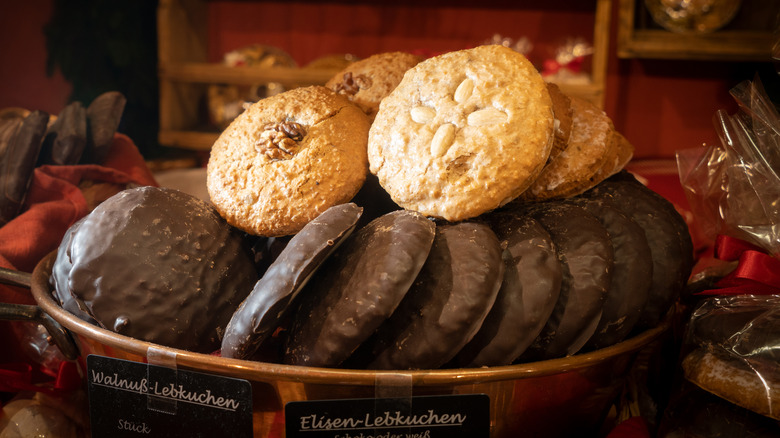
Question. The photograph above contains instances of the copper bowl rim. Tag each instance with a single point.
(265, 371)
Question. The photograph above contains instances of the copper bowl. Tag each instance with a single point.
(554, 398)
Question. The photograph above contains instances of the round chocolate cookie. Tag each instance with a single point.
(677, 220)
(585, 251)
(358, 288)
(445, 305)
(666, 233)
(530, 289)
(286, 159)
(161, 266)
(632, 273)
(479, 124)
(259, 314)
(59, 277)
(367, 81)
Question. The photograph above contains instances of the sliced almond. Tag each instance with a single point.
(422, 114)
(487, 116)
(464, 90)
(442, 140)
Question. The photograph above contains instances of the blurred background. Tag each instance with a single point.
(56, 51)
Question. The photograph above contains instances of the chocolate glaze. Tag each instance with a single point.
(445, 306)
(17, 163)
(585, 252)
(631, 275)
(669, 241)
(678, 222)
(532, 283)
(59, 277)
(259, 314)
(358, 288)
(161, 266)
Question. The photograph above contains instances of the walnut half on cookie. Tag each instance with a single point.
(366, 82)
(463, 133)
(286, 159)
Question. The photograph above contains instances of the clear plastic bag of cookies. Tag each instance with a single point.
(731, 349)
(733, 187)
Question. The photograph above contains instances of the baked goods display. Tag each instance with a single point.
(496, 229)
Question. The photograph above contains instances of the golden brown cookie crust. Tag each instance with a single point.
(463, 133)
(586, 153)
(619, 153)
(563, 119)
(268, 176)
(735, 379)
(367, 81)
(607, 168)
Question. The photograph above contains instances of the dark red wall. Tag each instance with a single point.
(661, 106)
(23, 79)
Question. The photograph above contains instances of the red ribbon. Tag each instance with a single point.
(757, 273)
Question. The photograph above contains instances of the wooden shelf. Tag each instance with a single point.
(185, 76)
(185, 139)
(195, 72)
(638, 39)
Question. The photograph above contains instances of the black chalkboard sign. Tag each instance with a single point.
(132, 399)
(450, 416)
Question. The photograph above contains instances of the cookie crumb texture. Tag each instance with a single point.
(459, 144)
(286, 159)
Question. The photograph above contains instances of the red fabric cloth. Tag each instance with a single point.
(54, 202)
